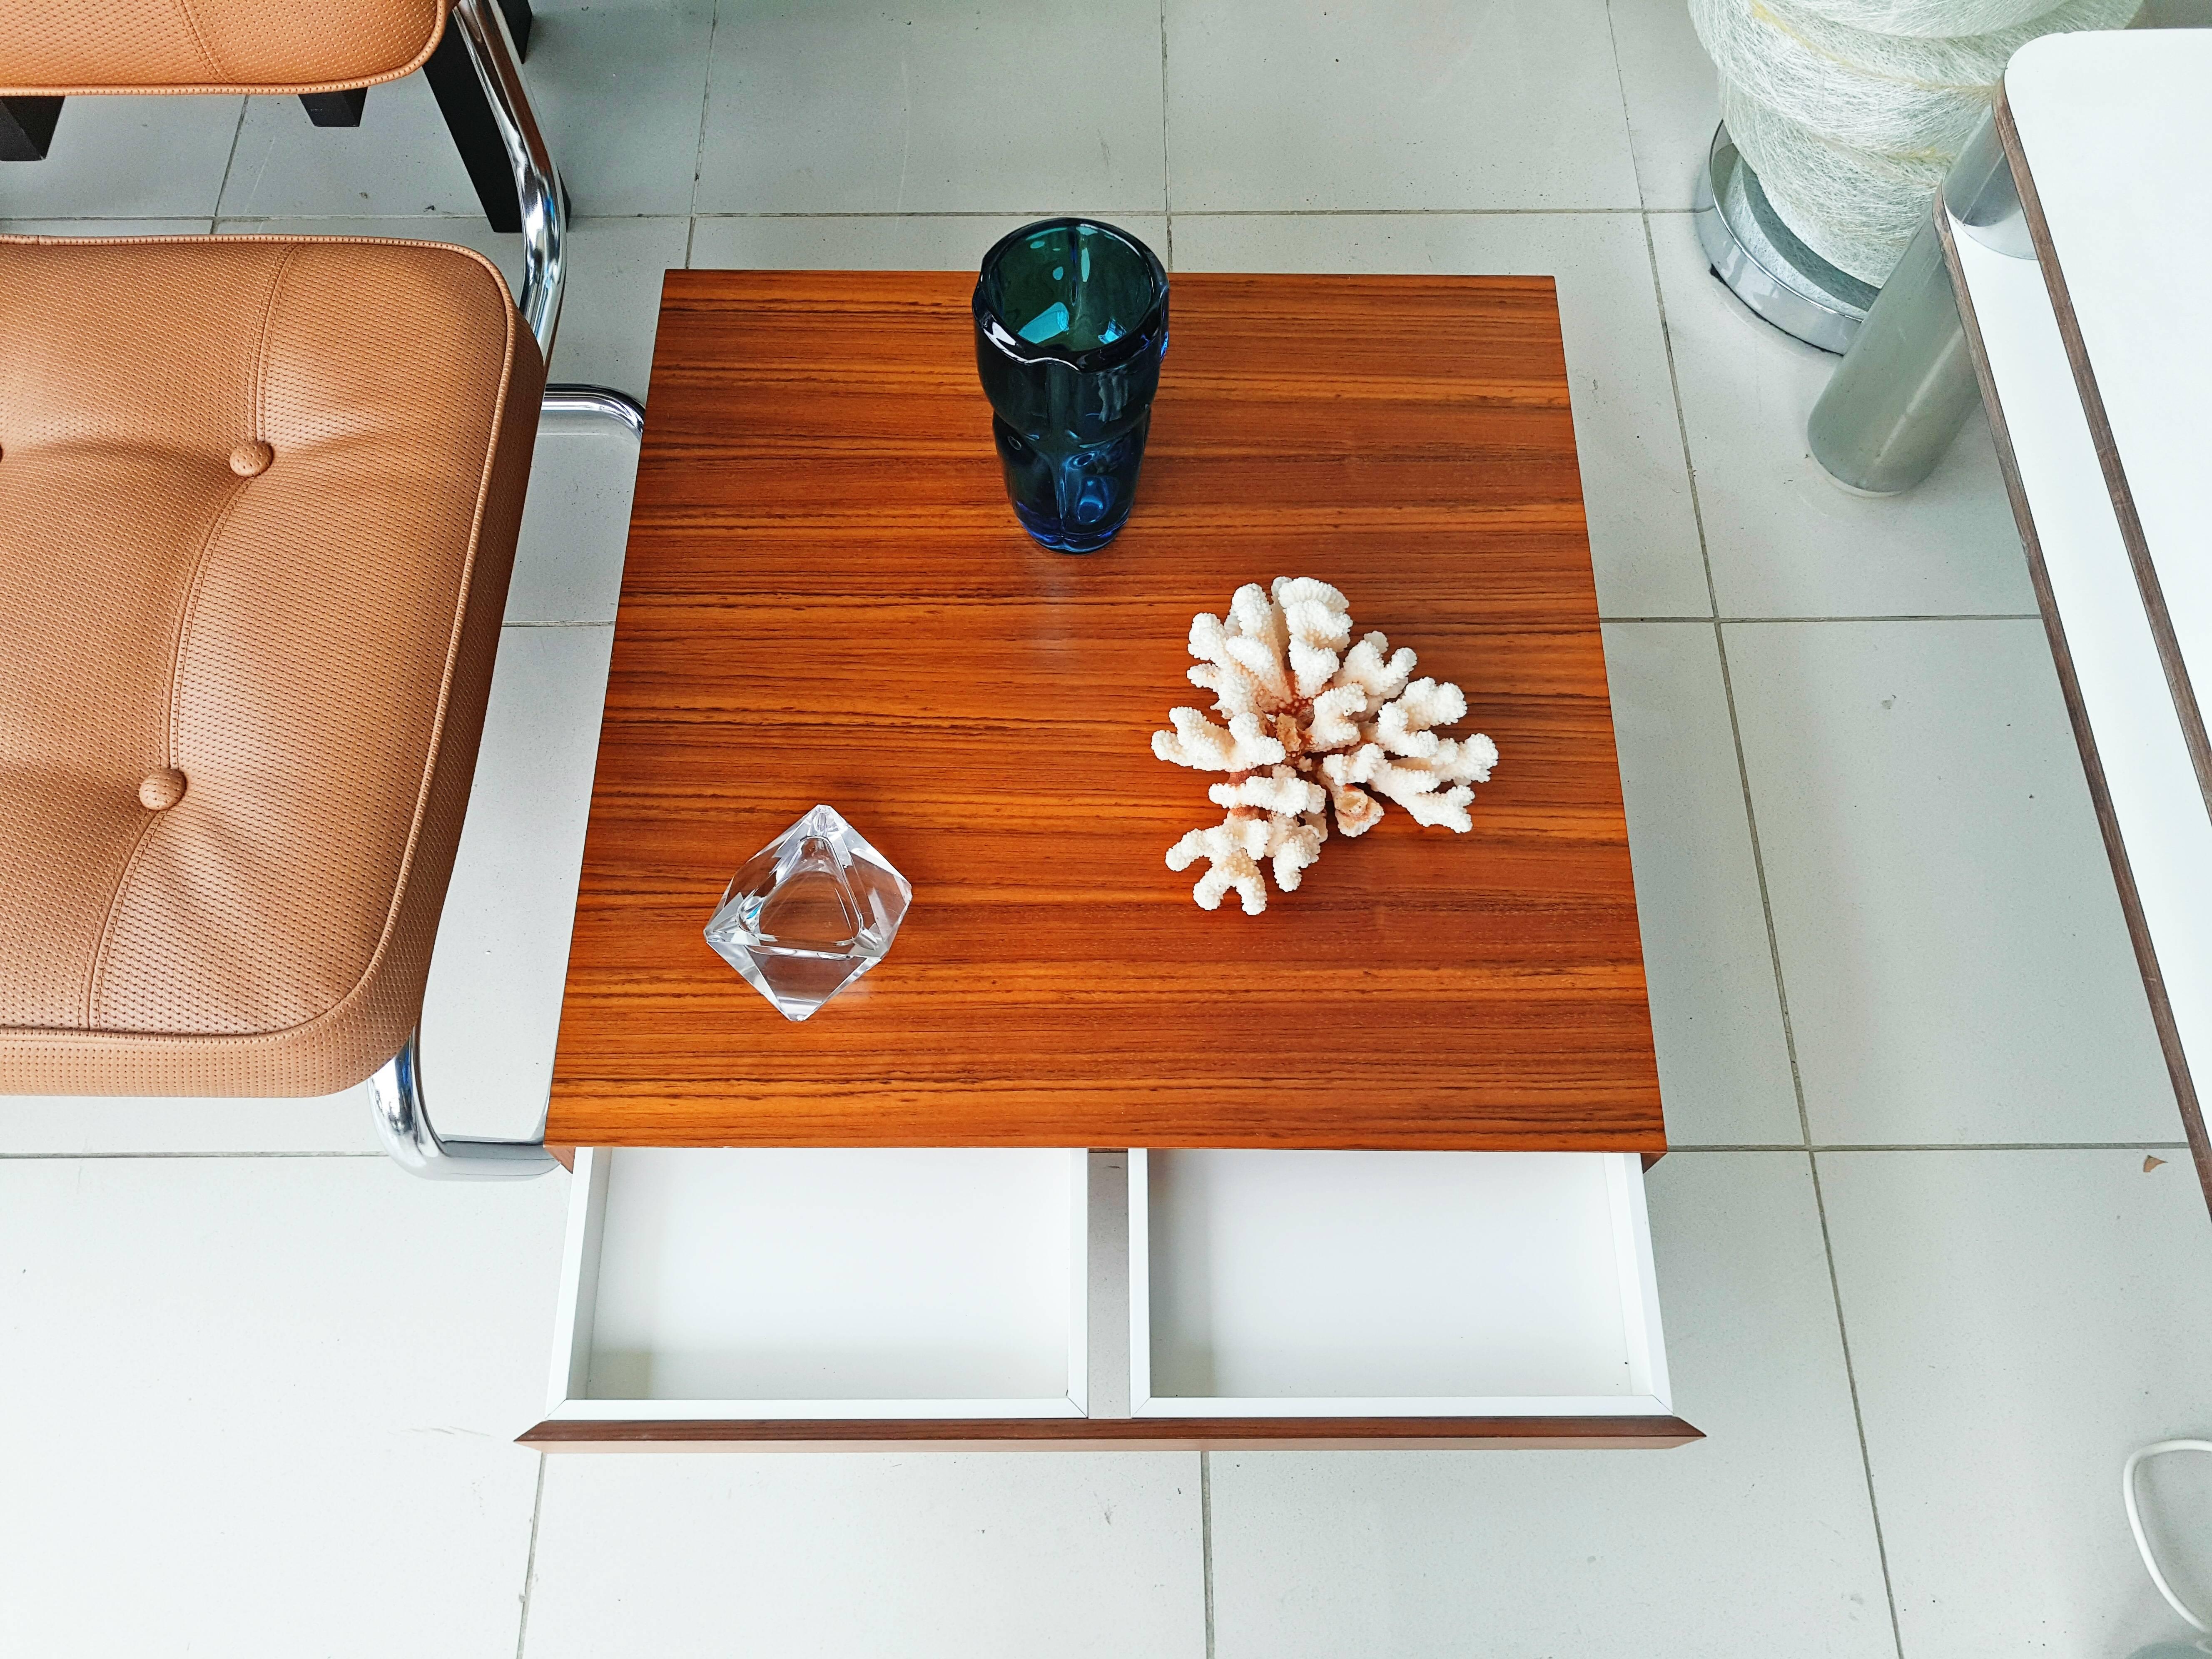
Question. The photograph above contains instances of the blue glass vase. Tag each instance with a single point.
(1071, 324)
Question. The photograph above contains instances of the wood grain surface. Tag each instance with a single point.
(827, 598)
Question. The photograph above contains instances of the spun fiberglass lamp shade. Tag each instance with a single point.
(1841, 118)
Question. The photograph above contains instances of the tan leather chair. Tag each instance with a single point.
(330, 53)
(259, 504)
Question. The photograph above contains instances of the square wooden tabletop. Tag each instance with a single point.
(827, 599)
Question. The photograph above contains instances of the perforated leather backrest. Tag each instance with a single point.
(49, 47)
(258, 502)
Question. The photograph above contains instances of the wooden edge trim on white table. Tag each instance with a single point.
(2170, 661)
(2077, 712)
(1125, 1434)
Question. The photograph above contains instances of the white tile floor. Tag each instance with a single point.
(257, 1387)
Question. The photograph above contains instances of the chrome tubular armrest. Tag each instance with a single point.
(537, 180)
(599, 401)
(404, 1124)
(402, 1121)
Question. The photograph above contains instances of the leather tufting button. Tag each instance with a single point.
(252, 461)
(161, 790)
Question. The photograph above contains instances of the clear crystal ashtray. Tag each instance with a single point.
(810, 913)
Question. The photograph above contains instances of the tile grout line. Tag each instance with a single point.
(26, 1157)
(529, 1562)
(1674, 1147)
(1381, 213)
(1620, 88)
(1760, 622)
(1851, 1381)
(1190, 212)
(215, 214)
(699, 147)
(1206, 1540)
(1691, 1146)
(1774, 950)
(1972, 616)
(1032, 211)
(1167, 166)
(572, 222)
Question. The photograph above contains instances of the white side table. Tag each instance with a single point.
(2076, 234)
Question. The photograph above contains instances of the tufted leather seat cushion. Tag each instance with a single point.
(258, 500)
(212, 46)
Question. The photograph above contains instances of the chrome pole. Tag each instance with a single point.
(537, 180)
(1906, 385)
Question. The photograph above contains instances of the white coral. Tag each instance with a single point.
(1197, 741)
(1279, 791)
(1233, 848)
(1313, 722)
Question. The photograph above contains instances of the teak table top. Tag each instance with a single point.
(827, 598)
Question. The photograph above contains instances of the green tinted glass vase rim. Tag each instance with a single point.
(1145, 336)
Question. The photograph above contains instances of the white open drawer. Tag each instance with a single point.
(1344, 1284)
(764, 1298)
(797, 1283)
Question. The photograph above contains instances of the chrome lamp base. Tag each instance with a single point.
(1760, 261)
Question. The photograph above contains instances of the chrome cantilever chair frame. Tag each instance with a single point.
(402, 1124)
(396, 1102)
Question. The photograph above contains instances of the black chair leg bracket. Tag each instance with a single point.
(460, 97)
(468, 115)
(519, 19)
(335, 109)
(27, 123)
(27, 127)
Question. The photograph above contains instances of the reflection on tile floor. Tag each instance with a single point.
(278, 1378)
